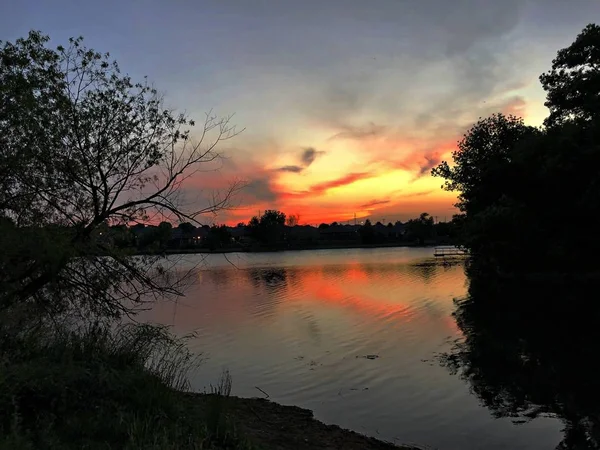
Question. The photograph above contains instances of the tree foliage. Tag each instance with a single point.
(292, 220)
(420, 229)
(81, 145)
(525, 192)
(268, 227)
(573, 84)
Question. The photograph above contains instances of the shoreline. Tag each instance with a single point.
(288, 249)
(271, 425)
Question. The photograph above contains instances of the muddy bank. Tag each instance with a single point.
(273, 426)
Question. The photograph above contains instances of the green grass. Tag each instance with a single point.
(105, 388)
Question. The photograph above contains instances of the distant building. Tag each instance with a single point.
(340, 232)
(181, 238)
(302, 234)
(389, 233)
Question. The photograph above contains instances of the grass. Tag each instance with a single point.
(102, 388)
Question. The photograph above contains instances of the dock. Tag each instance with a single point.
(449, 251)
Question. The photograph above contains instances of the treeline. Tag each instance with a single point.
(530, 196)
(275, 230)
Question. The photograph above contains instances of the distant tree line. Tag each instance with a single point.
(273, 230)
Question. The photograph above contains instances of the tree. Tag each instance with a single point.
(272, 218)
(268, 227)
(366, 233)
(164, 233)
(420, 229)
(323, 226)
(574, 79)
(292, 220)
(186, 227)
(218, 237)
(81, 144)
(481, 161)
(522, 190)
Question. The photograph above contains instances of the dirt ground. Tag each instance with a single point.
(274, 426)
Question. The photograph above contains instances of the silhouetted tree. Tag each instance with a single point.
(218, 237)
(323, 226)
(164, 234)
(272, 217)
(521, 188)
(366, 232)
(574, 79)
(267, 228)
(186, 227)
(83, 145)
(420, 229)
(292, 220)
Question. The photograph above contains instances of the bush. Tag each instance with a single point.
(103, 387)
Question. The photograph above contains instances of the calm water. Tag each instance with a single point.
(299, 326)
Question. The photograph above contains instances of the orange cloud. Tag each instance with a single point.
(320, 188)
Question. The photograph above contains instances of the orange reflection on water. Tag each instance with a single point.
(397, 290)
(347, 288)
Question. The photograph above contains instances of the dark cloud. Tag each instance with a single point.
(309, 155)
(374, 203)
(293, 169)
(259, 189)
(431, 161)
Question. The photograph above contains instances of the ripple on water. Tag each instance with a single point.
(298, 325)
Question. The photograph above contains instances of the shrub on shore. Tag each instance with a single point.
(105, 387)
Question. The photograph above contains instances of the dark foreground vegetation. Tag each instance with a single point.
(126, 388)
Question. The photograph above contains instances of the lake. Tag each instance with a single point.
(353, 335)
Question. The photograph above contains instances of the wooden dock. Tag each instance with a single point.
(449, 251)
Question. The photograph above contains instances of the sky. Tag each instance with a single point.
(345, 105)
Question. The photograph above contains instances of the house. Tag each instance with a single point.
(181, 238)
(340, 232)
(388, 232)
(302, 234)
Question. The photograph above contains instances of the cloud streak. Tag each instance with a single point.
(374, 203)
(292, 169)
(321, 188)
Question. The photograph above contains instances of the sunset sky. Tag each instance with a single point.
(346, 104)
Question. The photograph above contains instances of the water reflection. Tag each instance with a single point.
(271, 278)
(530, 350)
(298, 325)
